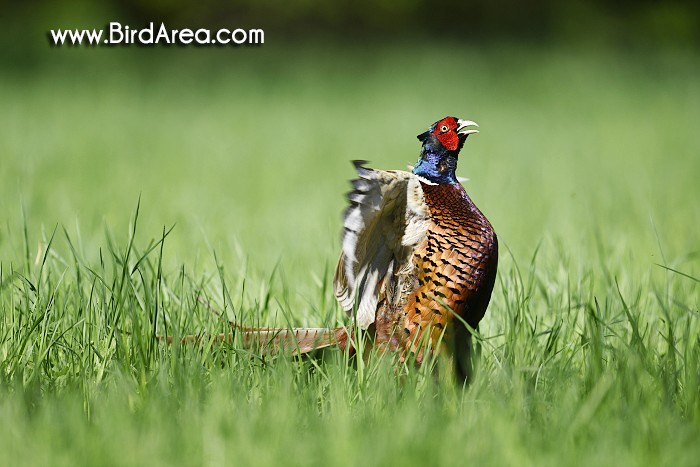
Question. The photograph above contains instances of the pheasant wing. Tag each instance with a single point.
(385, 221)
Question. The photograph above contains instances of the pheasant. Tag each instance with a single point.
(418, 260)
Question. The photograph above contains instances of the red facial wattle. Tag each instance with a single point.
(446, 134)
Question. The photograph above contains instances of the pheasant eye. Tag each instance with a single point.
(443, 128)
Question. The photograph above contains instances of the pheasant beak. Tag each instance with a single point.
(462, 128)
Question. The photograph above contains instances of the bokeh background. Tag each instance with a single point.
(584, 106)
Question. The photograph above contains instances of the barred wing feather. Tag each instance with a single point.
(386, 220)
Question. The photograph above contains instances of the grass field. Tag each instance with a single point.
(587, 165)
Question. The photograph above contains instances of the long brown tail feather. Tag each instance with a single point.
(295, 341)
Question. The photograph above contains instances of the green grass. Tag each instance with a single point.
(587, 166)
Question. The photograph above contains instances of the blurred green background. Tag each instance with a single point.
(584, 106)
(588, 114)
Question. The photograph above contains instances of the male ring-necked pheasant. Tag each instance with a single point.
(418, 258)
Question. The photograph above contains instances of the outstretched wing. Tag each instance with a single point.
(386, 220)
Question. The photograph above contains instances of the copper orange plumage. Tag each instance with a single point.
(418, 254)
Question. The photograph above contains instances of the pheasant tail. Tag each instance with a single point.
(292, 341)
(295, 341)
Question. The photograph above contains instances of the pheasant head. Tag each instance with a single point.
(441, 145)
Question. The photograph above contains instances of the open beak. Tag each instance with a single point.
(463, 128)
